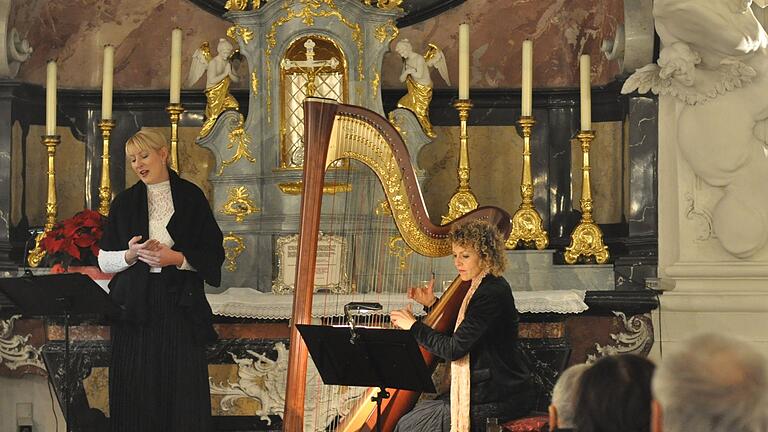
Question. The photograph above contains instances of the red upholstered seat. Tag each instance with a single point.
(527, 424)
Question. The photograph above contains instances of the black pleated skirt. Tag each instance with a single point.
(158, 377)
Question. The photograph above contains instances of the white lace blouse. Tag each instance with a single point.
(160, 203)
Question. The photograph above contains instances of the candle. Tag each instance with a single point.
(50, 98)
(107, 72)
(526, 103)
(464, 61)
(586, 93)
(175, 66)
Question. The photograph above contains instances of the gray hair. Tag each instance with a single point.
(714, 383)
(564, 394)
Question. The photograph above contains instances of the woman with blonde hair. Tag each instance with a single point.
(489, 377)
(162, 242)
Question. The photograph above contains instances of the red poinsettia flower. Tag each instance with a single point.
(74, 241)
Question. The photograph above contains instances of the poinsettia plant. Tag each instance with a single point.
(74, 241)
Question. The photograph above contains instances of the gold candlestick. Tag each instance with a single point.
(463, 200)
(527, 227)
(36, 255)
(587, 238)
(105, 187)
(175, 111)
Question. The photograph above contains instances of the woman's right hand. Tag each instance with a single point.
(424, 295)
(132, 254)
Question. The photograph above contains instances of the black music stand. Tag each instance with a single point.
(383, 358)
(59, 295)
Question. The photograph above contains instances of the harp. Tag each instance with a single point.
(334, 131)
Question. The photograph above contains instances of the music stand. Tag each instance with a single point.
(383, 358)
(59, 295)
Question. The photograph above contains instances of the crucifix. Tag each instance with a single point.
(310, 67)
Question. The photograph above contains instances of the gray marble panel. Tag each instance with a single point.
(643, 157)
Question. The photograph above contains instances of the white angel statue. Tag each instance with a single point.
(219, 76)
(416, 76)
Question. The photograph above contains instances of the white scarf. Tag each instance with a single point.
(460, 373)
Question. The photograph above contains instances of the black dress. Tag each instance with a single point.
(500, 383)
(158, 377)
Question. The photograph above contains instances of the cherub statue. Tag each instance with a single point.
(415, 74)
(219, 75)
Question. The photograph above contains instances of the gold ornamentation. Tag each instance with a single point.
(400, 250)
(417, 101)
(389, 4)
(296, 188)
(218, 100)
(375, 85)
(387, 30)
(238, 5)
(174, 112)
(234, 245)
(383, 208)
(239, 204)
(36, 255)
(105, 188)
(587, 238)
(356, 139)
(463, 200)
(239, 136)
(308, 10)
(255, 82)
(256, 4)
(527, 226)
(244, 33)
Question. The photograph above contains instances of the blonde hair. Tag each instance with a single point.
(485, 239)
(146, 140)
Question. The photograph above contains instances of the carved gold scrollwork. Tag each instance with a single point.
(375, 85)
(238, 5)
(243, 32)
(388, 30)
(239, 204)
(238, 136)
(295, 188)
(255, 82)
(234, 245)
(400, 250)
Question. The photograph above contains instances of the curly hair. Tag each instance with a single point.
(485, 239)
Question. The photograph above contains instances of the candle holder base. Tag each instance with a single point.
(461, 202)
(586, 242)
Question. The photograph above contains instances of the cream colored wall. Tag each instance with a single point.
(29, 389)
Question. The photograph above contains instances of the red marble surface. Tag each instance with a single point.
(75, 32)
(560, 30)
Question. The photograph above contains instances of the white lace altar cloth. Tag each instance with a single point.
(250, 303)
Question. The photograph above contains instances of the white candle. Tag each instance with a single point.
(527, 90)
(464, 61)
(586, 93)
(175, 66)
(50, 98)
(107, 72)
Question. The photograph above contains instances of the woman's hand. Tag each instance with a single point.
(402, 318)
(134, 247)
(161, 256)
(424, 295)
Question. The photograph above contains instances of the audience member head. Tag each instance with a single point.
(563, 406)
(713, 383)
(615, 395)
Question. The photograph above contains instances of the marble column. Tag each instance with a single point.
(7, 89)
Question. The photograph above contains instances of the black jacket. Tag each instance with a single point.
(195, 234)
(489, 334)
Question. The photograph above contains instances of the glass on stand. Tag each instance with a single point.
(492, 425)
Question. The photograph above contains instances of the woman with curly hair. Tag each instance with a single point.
(489, 377)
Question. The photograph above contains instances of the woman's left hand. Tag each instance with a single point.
(402, 318)
(161, 257)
